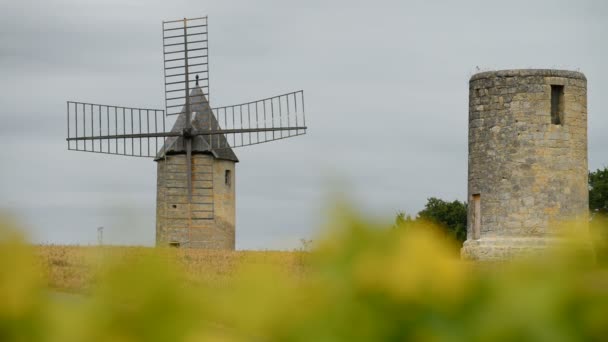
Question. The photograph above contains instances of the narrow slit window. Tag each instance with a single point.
(557, 104)
(228, 178)
(476, 216)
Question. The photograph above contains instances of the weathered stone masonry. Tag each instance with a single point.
(527, 159)
(209, 221)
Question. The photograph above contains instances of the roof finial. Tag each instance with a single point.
(197, 80)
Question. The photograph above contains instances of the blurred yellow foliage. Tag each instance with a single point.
(362, 282)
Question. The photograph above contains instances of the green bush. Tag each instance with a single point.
(451, 217)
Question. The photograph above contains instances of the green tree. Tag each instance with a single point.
(452, 216)
(598, 204)
(598, 191)
(402, 219)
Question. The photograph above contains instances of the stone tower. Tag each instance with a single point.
(527, 159)
(208, 221)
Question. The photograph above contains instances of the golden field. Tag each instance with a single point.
(76, 268)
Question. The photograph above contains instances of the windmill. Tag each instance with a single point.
(195, 202)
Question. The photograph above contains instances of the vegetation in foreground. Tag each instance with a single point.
(361, 282)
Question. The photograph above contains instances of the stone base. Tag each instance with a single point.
(506, 248)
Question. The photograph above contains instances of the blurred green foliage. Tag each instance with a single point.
(365, 282)
(451, 217)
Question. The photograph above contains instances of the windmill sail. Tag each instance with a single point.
(143, 132)
(186, 60)
(128, 131)
(260, 121)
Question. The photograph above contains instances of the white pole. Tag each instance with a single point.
(100, 236)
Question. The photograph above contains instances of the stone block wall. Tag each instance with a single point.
(208, 221)
(528, 173)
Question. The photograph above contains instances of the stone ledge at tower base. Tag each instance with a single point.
(508, 248)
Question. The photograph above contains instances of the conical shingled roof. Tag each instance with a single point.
(204, 119)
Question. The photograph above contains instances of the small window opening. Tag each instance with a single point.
(476, 216)
(228, 178)
(174, 244)
(557, 104)
(174, 206)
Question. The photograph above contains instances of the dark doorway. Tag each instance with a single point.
(557, 104)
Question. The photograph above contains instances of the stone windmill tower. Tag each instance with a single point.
(527, 160)
(195, 202)
(205, 218)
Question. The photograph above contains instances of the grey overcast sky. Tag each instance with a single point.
(386, 86)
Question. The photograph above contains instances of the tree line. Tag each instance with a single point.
(451, 217)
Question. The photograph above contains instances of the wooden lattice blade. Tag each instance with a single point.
(247, 137)
(247, 130)
(115, 130)
(127, 136)
(189, 171)
(185, 60)
(250, 123)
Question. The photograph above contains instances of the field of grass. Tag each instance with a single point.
(76, 268)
